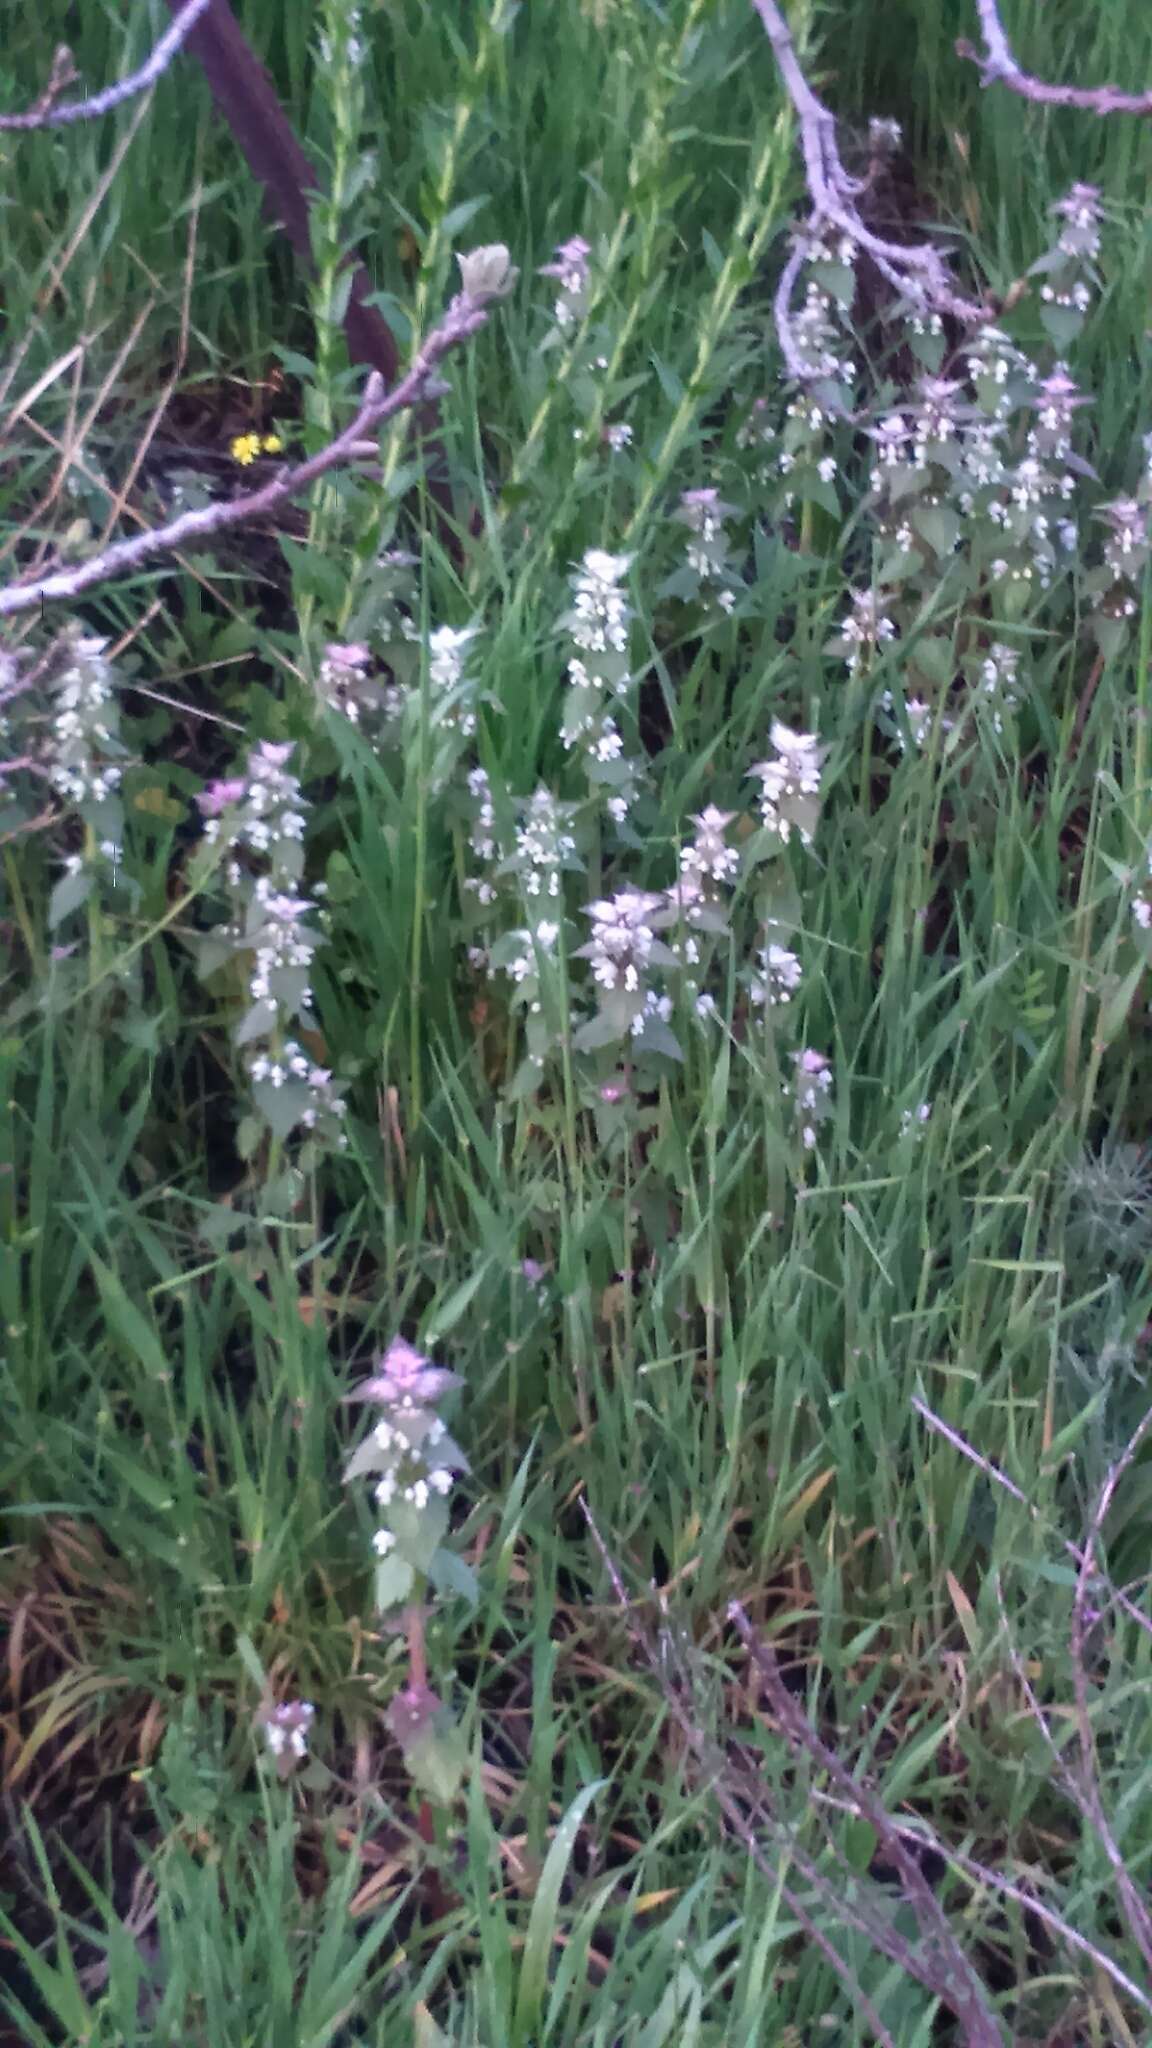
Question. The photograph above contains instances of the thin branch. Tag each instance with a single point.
(1089, 1800)
(1001, 1479)
(466, 314)
(997, 65)
(953, 1978)
(979, 1874)
(46, 114)
(918, 272)
(730, 1772)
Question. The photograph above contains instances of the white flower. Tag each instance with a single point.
(781, 973)
(601, 610)
(622, 937)
(487, 273)
(789, 781)
(866, 626)
(446, 650)
(383, 1542)
(709, 858)
(912, 1121)
(618, 436)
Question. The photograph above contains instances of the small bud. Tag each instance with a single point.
(487, 273)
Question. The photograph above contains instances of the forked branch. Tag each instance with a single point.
(997, 65)
(47, 114)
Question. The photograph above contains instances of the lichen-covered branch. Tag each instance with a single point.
(467, 313)
(918, 271)
(46, 113)
(997, 65)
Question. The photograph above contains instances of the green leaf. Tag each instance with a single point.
(436, 1759)
(68, 895)
(452, 1574)
(394, 1582)
(1114, 1013)
(458, 217)
(542, 1920)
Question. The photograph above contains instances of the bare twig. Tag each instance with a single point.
(46, 114)
(1001, 1479)
(995, 1881)
(1083, 1785)
(1088, 1794)
(738, 1791)
(918, 272)
(997, 66)
(466, 314)
(949, 1974)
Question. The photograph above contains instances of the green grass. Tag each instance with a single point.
(737, 1409)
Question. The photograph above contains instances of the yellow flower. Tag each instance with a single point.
(272, 444)
(244, 449)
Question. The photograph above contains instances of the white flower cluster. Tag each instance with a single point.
(453, 691)
(413, 1459)
(865, 629)
(913, 1122)
(344, 48)
(820, 331)
(998, 689)
(599, 623)
(544, 845)
(709, 858)
(917, 720)
(260, 818)
(600, 611)
(779, 976)
(811, 1091)
(521, 963)
(570, 269)
(623, 938)
(414, 1476)
(259, 813)
(790, 784)
(84, 728)
(705, 514)
(342, 678)
(1068, 269)
(286, 1731)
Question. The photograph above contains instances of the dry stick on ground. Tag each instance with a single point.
(1088, 1798)
(997, 66)
(466, 314)
(46, 114)
(738, 1791)
(918, 272)
(1083, 1788)
(720, 1787)
(1009, 1486)
(979, 1875)
(964, 1993)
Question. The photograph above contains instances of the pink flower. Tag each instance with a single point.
(276, 754)
(217, 796)
(403, 1374)
(571, 259)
